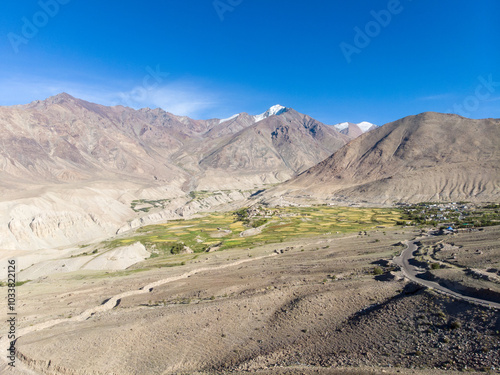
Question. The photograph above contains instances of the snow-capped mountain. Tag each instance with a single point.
(363, 126)
(366, 126)
(274, 110)
(229, 118)
(342, 126)
(243, 120)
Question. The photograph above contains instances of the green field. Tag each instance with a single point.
(282, 224)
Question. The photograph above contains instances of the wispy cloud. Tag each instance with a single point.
(181, 97)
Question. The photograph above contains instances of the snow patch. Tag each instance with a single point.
(274, 110)
(365, 126)
(229, 118)
(341, 126)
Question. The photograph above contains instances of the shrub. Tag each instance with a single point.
(259, 222)
(435, 266)
(242, 215)
(378, 271)
(455, 324)
(177, 248)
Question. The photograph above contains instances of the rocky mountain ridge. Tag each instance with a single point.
(427, 157)
(70, 168)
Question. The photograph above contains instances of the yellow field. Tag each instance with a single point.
(288, 223)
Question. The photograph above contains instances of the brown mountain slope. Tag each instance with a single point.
(67, 139)
(352, 130)
(427, 157)
(289, 142)
(69, 169)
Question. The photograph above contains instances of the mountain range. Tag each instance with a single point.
(354, 130)
(427, 157)
(71, 170)
(63, 139)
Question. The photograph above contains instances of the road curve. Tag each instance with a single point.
(412, 272)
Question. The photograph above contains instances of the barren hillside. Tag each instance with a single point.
(70, 169)
(428, 157)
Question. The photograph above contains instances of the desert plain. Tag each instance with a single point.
(326, 302)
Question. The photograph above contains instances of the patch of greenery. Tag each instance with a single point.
(177, 248)
(259, 222)
(17, 283)
(283, 223)
(147, 204)
(456, 215)
(242, 215)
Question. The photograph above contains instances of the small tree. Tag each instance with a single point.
(177, 248)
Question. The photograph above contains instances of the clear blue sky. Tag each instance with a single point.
(429, 56)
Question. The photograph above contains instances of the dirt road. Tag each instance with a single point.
(412, 272)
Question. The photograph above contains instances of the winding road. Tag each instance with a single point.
(412, 272)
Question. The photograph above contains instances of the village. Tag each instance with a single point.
(450, 216)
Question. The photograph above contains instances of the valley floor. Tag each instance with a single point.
(329, 304)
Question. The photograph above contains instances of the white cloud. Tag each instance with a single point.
(180, 97)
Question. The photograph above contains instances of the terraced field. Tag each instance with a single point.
(226, 230)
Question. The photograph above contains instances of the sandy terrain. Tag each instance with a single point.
(115, 259)
(315, 308)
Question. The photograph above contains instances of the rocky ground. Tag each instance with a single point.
(469, 261)
(316, 307)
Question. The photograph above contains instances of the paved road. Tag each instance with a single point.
(412, 272)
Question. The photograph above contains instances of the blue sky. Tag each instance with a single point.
(334, 60)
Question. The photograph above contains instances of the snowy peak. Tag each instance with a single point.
(366, 126)
(274, 110)
(363, 126)
(229, 118)
(341, 126)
